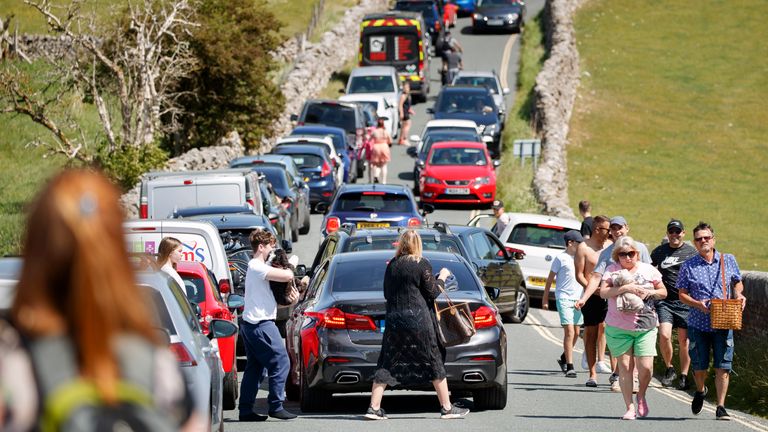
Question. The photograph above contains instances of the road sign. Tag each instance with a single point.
(527, 148)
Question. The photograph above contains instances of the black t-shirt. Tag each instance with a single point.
(586, 226)
(668, 261)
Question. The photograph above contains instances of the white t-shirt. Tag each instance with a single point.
(260, 304)
(566, 286)
(168, 268)
(501, 224)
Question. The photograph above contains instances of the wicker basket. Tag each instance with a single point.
(725, 313)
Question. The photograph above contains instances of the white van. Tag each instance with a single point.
(162, 193)
(200, 241)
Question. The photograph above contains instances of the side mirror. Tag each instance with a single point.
(505, 90)
(430, 110)
(321, 207)
(286, 245)
(300, 271)
(235, 302)
(426, 209)
(196, 308)
(294, 117)
(420, 163)
(220, 328)
(162, 335)
(493, 292)
(415, 138)
(496, 163)
(411, 151)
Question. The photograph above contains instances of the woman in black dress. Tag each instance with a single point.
(406, 111)
(410, 351)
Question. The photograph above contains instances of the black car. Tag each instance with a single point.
(496, 266)
(498, 15)
(334, 336)
(430, 10)
(316, 168)
(278, 213)
(432, 136)
(346, 115)
(471, 103)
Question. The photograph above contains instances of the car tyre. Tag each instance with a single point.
(229, 399)
(312, 400)
(295, 230)
(491, 398)
(307, 223)
(521, 309)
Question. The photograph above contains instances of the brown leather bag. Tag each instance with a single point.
(455, 324)
(725, 313)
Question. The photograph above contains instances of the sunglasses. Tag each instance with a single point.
(674, 231)
(630, 254)
(703, 238)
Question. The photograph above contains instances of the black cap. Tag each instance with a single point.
(674, 223)
(573, 235)
(497, 204)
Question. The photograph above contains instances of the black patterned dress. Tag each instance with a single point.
(410, 351)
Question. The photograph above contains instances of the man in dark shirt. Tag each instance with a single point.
(585, 209)
(452, 64)
(673, 313)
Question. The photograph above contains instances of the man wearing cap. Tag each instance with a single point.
(618, 228)
(502, 219)
(672, 312)
(567, 293)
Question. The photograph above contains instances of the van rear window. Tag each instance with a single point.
(331, 115)
(391, 47)
(383, 202)
(538, 235)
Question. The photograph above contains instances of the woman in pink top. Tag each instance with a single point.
(632, 333)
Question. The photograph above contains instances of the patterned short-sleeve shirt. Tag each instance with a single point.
(702, 280)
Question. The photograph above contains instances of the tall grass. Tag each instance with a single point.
(671, 118)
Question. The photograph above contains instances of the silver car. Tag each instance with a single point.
(489, 80)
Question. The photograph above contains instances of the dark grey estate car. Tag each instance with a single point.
(334, 335)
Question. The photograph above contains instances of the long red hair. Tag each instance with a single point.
(77, 278)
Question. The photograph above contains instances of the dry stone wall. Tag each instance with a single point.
(313, 65)
(755, 319)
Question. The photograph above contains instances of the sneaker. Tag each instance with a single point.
(616, 387)
(603, 367)
(378, 414)
(453, 413)
(698, 401)
(642, 407)
(282, 415)
(570, 373)
(252, 417)
(584, 364)
(629, 415)
(721, 413)
(613, 378)
(591, 383)
(683, 384)
(669, 377)
(562, 364)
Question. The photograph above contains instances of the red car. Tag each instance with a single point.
(201, 289)
(459, 172)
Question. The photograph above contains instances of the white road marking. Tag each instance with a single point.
(505, 60)
(676, 395)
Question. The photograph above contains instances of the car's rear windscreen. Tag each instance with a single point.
(160, 310)
(355, 276)
(374, 201)
(428, 243)
(538, 235)
(303, 160)
(391, 48)
(487, 82)
(371, 84)
(331, 115)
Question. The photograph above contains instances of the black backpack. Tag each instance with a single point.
(70, 403)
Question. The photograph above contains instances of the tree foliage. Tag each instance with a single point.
(233, 89)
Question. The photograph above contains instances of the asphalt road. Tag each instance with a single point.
(539, 397)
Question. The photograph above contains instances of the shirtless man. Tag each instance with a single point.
(595, 308)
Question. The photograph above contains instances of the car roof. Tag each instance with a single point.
(517, 218)
(463, 73)
(328, 102)
(464, 89)
(207, 210)
(367, 187)
(309, 139)
(270, 158)
(386, 254)
(301, 148)
(232, 221)
(372, 71)
(357, 97)
(393, 14)
(308, 129)
(458, 144)
(214, 172)
(450, 123)
(195, 267)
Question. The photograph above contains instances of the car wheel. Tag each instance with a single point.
(295, 230)
(307, 224)
(521, 308)
(229, 399)
(416, 188)
(491, 398)
(312, 400)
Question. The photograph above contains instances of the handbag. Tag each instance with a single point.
(725, 313)
(455, 324)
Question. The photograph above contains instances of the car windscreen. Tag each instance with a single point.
(374, 201)
(276, 176)
(428, 243)
(458, 156)
(331, 115)
(426, 8)
(538, 235)
(194, 287)
(456, 102)
(304, 160)
(368, 276)
(160, 310)
(457, 135)
(486, 3)
(487, 82)
(371, 84)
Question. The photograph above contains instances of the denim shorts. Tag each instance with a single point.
(674, 312)
(718, 342)
(569, 315)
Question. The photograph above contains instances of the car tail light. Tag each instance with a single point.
(225, 286)
(335, 318)
(414, 222)
(484, 317)
(437, 26)
(515, 252)
(250, 201)
(212, 315)
(483, 358)
(182, 354)
(143, 211)
(559, 228)
(325, 170)
(332, 224)
(273, 220)
(337, 360)
(188, 182)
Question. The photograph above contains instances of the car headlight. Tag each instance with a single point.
(490, 129)
(513, 17)
(431, 180)
(477, 16)
(481, 128)
(483, 180)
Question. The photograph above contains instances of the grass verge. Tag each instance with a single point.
(671, 120)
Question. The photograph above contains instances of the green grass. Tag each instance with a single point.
(671, 118)
(332, 12)
(513, 184)
(294, 14)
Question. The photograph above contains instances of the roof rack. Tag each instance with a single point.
(442, 227)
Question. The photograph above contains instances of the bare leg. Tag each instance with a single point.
(590, 345)
(441, 387)
(370, 172)
(701, 378)
(722, 377)
(377, 391)
(405, 129)
(601, 342)
(376, 172)
(383, 178)
(644, 367)
(568, 342)
(665, 343)
(625, 378)
(685, 357)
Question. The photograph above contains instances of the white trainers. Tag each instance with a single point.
(603, 367)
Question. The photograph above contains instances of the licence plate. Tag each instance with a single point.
(537, 281)
(372, 224)
(457, 191)
(495, 22)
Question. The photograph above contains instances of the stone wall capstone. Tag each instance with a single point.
(755, 318)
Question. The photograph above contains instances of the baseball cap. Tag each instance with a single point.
(573, 235)
(497, 204)
(618, 220)
(674, 223)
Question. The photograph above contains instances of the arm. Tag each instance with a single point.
(591, 288)
(690, 301)
(279, 275)
(550, 279)
(580, 263)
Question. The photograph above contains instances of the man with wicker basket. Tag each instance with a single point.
(710, 283)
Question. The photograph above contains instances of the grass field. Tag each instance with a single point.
(671, 118)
